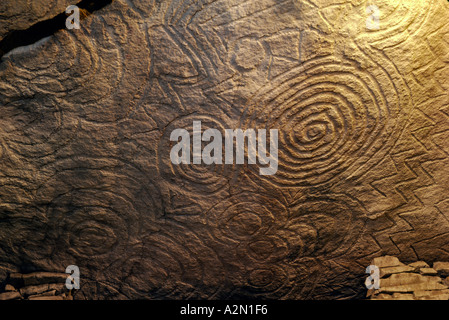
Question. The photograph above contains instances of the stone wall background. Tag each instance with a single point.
(36, 286)
(415, 281)
(86, 177)
(22, 14)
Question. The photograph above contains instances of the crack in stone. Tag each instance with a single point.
(46, 28)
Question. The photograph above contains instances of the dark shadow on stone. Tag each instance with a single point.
(46, 28)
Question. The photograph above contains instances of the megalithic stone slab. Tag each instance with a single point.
(360, 100)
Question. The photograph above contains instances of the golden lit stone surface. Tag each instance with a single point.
(21, 14)
(362, 114)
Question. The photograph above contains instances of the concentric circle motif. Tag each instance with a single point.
(193, 178)
(90, 224)
(272, 281)
(282, 280)
(324, 226)
(398, 20)
(174, 263)
(87, 68)
(39, 132)
(279, 247)
(332, 118)
(94, 221)
(244, 217)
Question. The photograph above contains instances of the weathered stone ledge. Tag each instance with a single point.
(415, 281)
(36, 286)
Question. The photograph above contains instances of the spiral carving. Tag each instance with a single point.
(332, 119)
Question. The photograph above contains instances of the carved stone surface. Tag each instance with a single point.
(21, 14)
(85, 123)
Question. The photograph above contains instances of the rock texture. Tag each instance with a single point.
(415, 281)
(85, 171)
(36, 286)
(21, 14)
